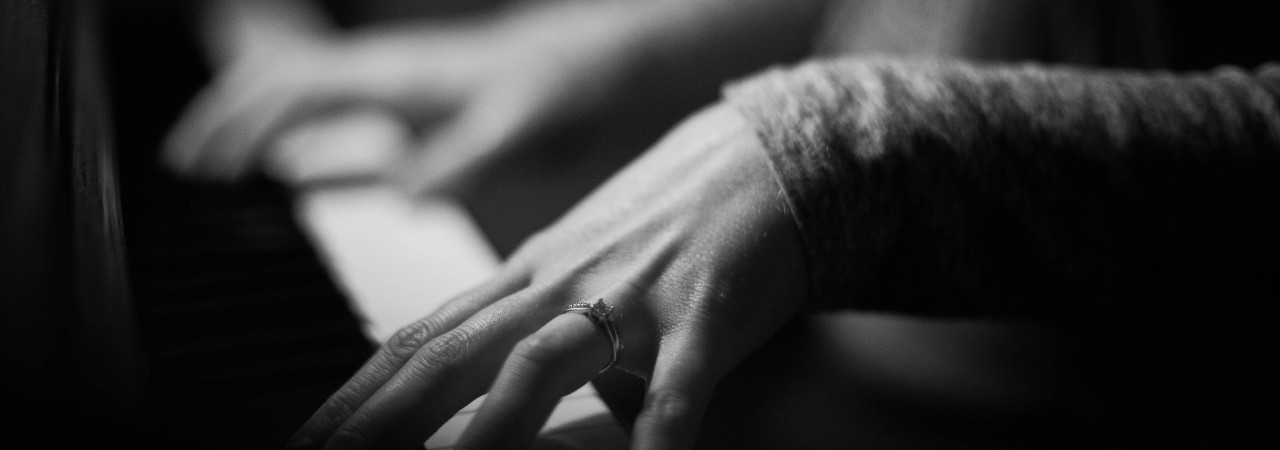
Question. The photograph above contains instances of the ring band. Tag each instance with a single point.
(599, 314)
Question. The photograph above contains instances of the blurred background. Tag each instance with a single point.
(141, 307)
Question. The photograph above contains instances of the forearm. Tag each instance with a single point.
(953, 189)
(680, 50)
(670, 51)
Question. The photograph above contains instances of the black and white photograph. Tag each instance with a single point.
(639, 224)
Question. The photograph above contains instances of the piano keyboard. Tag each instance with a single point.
(400, 260)
(254, 308)
(245, 331)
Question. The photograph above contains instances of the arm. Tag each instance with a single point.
(481, 87)
(954, 189)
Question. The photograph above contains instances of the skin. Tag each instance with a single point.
(476, 89)
(691, 244)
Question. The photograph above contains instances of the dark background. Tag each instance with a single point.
(114, 277)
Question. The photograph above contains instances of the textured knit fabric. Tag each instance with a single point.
(955, 189)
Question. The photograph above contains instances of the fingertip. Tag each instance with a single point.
(181, 147)
(674, 403)
(188, 159)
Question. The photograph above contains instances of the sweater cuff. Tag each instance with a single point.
(801, 114)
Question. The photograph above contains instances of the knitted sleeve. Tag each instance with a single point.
(948, 188)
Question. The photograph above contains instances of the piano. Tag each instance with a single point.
(163, 312)
(145, 310)
(149, 310)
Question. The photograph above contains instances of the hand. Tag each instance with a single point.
(692, 246)
(476, 89)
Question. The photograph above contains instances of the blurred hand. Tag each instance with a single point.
(692, 246)
(473, 89)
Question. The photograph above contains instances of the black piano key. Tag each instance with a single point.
(246, 332)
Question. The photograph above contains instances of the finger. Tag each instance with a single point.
(249, 98)
(456, 152)
(389, 359)
(228, 149)
(237, 143)
(230, 96)
(349, 145)
(185, 139)
(444, 375)
(553, 362)
(675, 400)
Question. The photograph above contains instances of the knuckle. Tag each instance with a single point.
(406, 341)
(536, 349)
(668, 406)
(445, 351)
(529, 250)
(339, 407)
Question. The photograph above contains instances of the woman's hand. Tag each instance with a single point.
(474, 89)
(691, 244)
